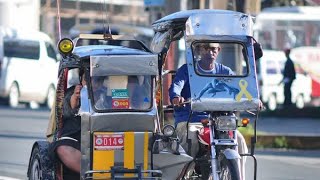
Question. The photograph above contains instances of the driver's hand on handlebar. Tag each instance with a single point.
(177, 101)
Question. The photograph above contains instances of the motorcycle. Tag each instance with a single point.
(227, 99)
(218, 156)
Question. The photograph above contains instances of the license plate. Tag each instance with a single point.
(108, 141)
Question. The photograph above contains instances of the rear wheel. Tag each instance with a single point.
(272, 102)
(14, 95)
(229, 169)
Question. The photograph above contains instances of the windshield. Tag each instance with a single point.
(122, 92)
(220, 59)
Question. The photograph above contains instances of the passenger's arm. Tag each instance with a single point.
(74, 101)
(70, 98)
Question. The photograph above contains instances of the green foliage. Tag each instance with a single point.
(246, 131)
(280, 142)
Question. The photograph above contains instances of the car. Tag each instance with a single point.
(29, 67)
(269, 69)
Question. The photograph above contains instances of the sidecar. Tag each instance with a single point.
(122, 136)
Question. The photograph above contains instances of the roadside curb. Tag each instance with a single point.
(287, 141)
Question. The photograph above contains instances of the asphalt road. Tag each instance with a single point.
(21, 127)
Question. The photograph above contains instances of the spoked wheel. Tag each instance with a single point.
(35, 170)
(229, 169)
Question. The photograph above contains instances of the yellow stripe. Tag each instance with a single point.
(145, 152)
(129, 151)
(103, 160)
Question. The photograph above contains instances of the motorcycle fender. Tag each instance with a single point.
(231, 154)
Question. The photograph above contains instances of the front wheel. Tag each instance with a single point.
(229, 169)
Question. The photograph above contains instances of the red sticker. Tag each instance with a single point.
(120, 103)
(108, 141)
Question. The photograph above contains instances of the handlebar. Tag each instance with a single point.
(169, 108)
(180, 104)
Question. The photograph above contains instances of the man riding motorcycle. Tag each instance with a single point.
(179, 92)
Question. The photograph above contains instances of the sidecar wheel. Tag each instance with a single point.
(229, 169)
(40, 168)
(35, 171)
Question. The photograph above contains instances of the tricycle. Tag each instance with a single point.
(121, 109)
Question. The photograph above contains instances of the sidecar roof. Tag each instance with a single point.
(95, 50)
(222, 22)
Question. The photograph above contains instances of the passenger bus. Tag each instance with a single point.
(295, 27)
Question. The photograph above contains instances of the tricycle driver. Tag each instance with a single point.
(179, 92)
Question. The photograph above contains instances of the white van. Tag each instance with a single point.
(269, 71)
(28, 67)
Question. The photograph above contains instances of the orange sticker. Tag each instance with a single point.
(120, 103)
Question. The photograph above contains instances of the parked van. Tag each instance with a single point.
(28, 67)
(269, 70)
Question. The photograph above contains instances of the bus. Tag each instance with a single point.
(297, 28)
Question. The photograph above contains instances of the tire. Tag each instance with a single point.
(300, 102)
(229, 169)
(272, 102)
(40, 167)
(14, 95)
(50, 97)
(35, 170)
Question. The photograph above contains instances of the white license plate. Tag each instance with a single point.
(108, 141)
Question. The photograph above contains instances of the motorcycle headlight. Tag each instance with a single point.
(226, 123)
(168, 130)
